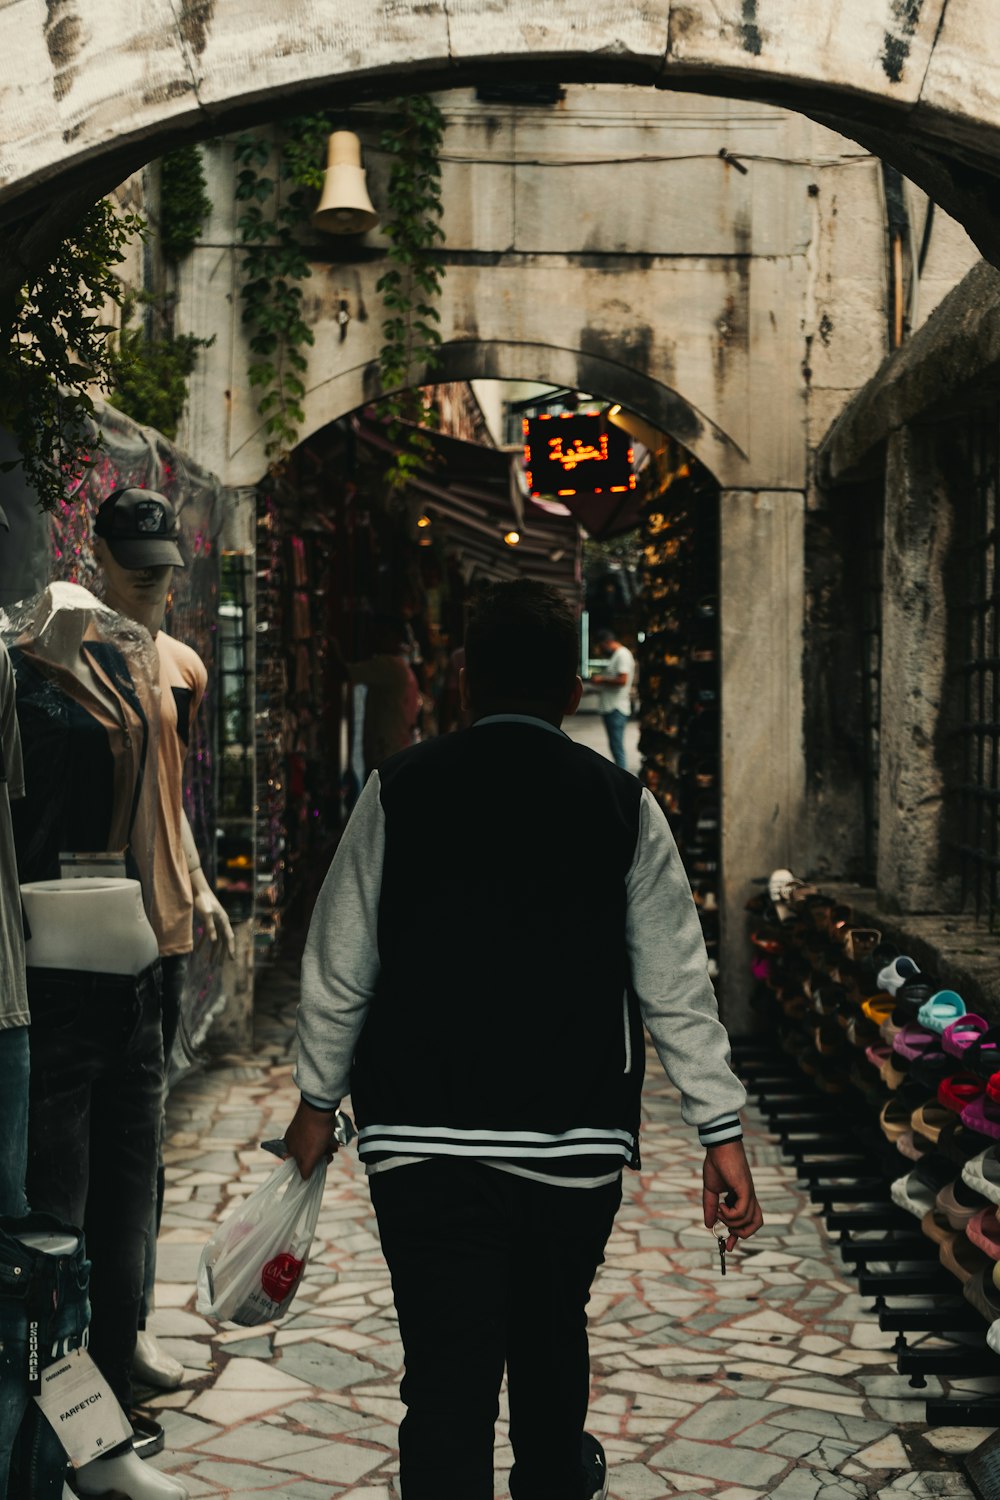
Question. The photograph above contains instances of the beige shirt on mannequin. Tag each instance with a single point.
(183, 680)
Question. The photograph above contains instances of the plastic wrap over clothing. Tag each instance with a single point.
(88, 708)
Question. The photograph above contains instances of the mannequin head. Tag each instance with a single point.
(135, 546)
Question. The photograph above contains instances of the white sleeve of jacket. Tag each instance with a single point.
(340, 963)
(670, 975)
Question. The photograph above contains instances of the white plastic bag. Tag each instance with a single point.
(251, 1267)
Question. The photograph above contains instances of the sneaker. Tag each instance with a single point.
(595, 1466)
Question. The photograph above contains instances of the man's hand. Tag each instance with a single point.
(310, 1137)
(726, 1176)
(217, 927)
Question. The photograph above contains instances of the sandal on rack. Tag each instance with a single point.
(940, 1010)
(958, 1203)
(982, 1174)
(896, 973)
(983, 1230)
(961, 1258)
(958, 1090)
(961, 1035)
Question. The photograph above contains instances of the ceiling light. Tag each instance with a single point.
(424, 521)
(512, 538)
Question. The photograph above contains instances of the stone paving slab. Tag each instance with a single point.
(771, 1382)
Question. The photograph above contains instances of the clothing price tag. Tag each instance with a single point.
(79, 1404)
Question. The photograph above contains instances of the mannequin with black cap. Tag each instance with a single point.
(88, 705)
(136, 535)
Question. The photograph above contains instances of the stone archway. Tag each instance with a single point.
(91, 89)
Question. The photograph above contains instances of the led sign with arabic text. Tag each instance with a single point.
(577, 454)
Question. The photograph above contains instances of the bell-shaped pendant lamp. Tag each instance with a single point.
(345, 207)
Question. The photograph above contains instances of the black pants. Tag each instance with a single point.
(93, 1136)
(489, 1269)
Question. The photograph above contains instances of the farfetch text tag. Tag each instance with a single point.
(80, 1406)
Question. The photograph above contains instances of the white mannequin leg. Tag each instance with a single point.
(126, 1474)
(153, 1366)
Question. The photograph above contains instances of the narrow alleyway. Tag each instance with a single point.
(772, 1382)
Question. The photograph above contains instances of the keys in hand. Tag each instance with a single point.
(722, 1234)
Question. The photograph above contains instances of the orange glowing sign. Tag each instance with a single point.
(577, 454)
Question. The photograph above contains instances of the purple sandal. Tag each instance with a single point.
(914, 1041)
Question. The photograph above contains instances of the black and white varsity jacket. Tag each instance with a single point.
(505, 910)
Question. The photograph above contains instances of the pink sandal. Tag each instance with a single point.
(963, 1033)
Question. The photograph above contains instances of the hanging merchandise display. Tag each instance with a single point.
(679, 674)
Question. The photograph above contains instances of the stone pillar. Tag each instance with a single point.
(915, 871)
(762, 602)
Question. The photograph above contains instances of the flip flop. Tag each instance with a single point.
(993, 1088)
(940, 1010)
(961, 1034)
(907, 1146)
(877, 1054)
(984, 1230)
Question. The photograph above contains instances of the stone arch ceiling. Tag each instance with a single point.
(91, 89)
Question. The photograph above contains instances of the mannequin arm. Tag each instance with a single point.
(218, 927)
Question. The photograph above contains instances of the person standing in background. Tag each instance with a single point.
(393, 701)
(615, 686)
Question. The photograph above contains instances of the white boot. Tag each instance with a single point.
(126, 1474)
(153, 1366)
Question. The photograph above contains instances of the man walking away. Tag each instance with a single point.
(498, 1098)
(616, 692)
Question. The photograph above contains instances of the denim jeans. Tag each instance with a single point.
(491, 1269)
(13, 1120)
(50, 1291)
(94, 1134)
(174, 969)
(614, 723)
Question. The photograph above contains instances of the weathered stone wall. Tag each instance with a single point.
(90, 89)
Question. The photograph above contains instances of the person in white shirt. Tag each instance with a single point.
(615, 696)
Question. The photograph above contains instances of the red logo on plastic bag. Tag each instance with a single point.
(279, 1276)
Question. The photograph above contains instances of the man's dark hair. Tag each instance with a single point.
(602, 637)
(521, 646)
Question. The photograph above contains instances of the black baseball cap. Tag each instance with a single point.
(141, 528)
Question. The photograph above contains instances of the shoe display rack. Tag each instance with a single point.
(679, 679)
(885, 1092)
(271, 688)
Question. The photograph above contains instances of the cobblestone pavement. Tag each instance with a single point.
(772, 1382)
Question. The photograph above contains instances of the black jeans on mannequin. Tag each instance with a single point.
(491, 1269)
(93, 1136)
(174, 971)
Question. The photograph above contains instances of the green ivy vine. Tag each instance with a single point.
(61, 347)
(411, 286)
(184, 201)
(149, 375)
(274, 266)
